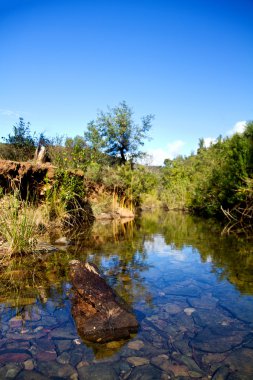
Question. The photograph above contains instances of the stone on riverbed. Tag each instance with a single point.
(100, 315)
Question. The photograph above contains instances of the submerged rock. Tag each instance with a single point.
(100, 315)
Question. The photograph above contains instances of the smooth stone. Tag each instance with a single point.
(161, 362)
(205, 318)
(213, 358)
(189, 310)
(221, 373)
(190, 364)
(17, 356)
(62, 333)
(183, 290)
(205, 302)
(39, 328)
(136, 345)
(55, 369)
(122, 367)
(137, 361)
(241, 308)
(97, 372)
(63, 345)
(171, 308)
(217, 339)
(64, 358)
(146, 373)
(46, 355)
(76, 358)
(10, 371)
(241, 360)
(30, 375)
(29, 365)
(45, 345)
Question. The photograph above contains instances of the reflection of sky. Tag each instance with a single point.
(158, 248)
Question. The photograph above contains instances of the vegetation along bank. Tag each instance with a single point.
(99, 175)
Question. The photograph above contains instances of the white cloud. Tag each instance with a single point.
(8, 113)
(159, 155)
(208, 141)
(239, 127)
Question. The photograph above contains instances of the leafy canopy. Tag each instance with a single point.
(116, 134)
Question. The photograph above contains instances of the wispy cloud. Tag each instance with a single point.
(8, 113)
(239, 127)
(159, 155)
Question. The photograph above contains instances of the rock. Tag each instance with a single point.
(63, 345)
(190, 364)
(62, 241)
(162, 362)
(10, 371)
(242, 360)
(217, 339)
(30, 375)
(137, 360)
(15, 356)
(136, 345)
(97, 372)
(171, 308)
(189, 310)
(204, 302)
(221, 373)
(64, 358)
(62, 333)
(100, 315)
(55, 369)
(29, 365)
(146, 373)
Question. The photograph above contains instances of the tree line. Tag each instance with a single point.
(214, 181)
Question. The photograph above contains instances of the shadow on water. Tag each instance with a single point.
(175, 270)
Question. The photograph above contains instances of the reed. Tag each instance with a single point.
(18, 227)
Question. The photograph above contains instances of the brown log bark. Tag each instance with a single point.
(100, 315)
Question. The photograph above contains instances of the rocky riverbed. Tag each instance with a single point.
(194, 323)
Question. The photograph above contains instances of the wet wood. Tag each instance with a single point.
(100, 315)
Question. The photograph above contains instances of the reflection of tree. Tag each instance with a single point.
(116, 247)
(231, 257)
(29, 278)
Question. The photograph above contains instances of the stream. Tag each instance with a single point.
(190, 288)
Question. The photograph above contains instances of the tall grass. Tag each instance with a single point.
(17, 225)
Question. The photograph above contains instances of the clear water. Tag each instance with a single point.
(190, 288)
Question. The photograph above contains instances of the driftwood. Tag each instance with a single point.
(100, 315)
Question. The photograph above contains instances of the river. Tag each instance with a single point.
(190, 287)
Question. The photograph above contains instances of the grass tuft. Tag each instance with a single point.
(18, 227)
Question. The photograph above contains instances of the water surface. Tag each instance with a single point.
(190, 287)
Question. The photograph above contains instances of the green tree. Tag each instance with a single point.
(115, 133)
(21, 144)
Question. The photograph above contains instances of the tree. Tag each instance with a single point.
(21, 142)
(116, 134)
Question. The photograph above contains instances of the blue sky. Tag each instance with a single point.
(188, 62)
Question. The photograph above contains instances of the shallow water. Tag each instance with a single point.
(190, 288)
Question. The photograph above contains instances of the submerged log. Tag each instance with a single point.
(100, 315)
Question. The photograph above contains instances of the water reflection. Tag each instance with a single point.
(190, 287)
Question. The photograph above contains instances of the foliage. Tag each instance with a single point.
(20, 145)
(116, 134)
(17, 224)
(212, 179)
(66, 199)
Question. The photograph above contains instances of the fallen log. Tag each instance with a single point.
(100, 315)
